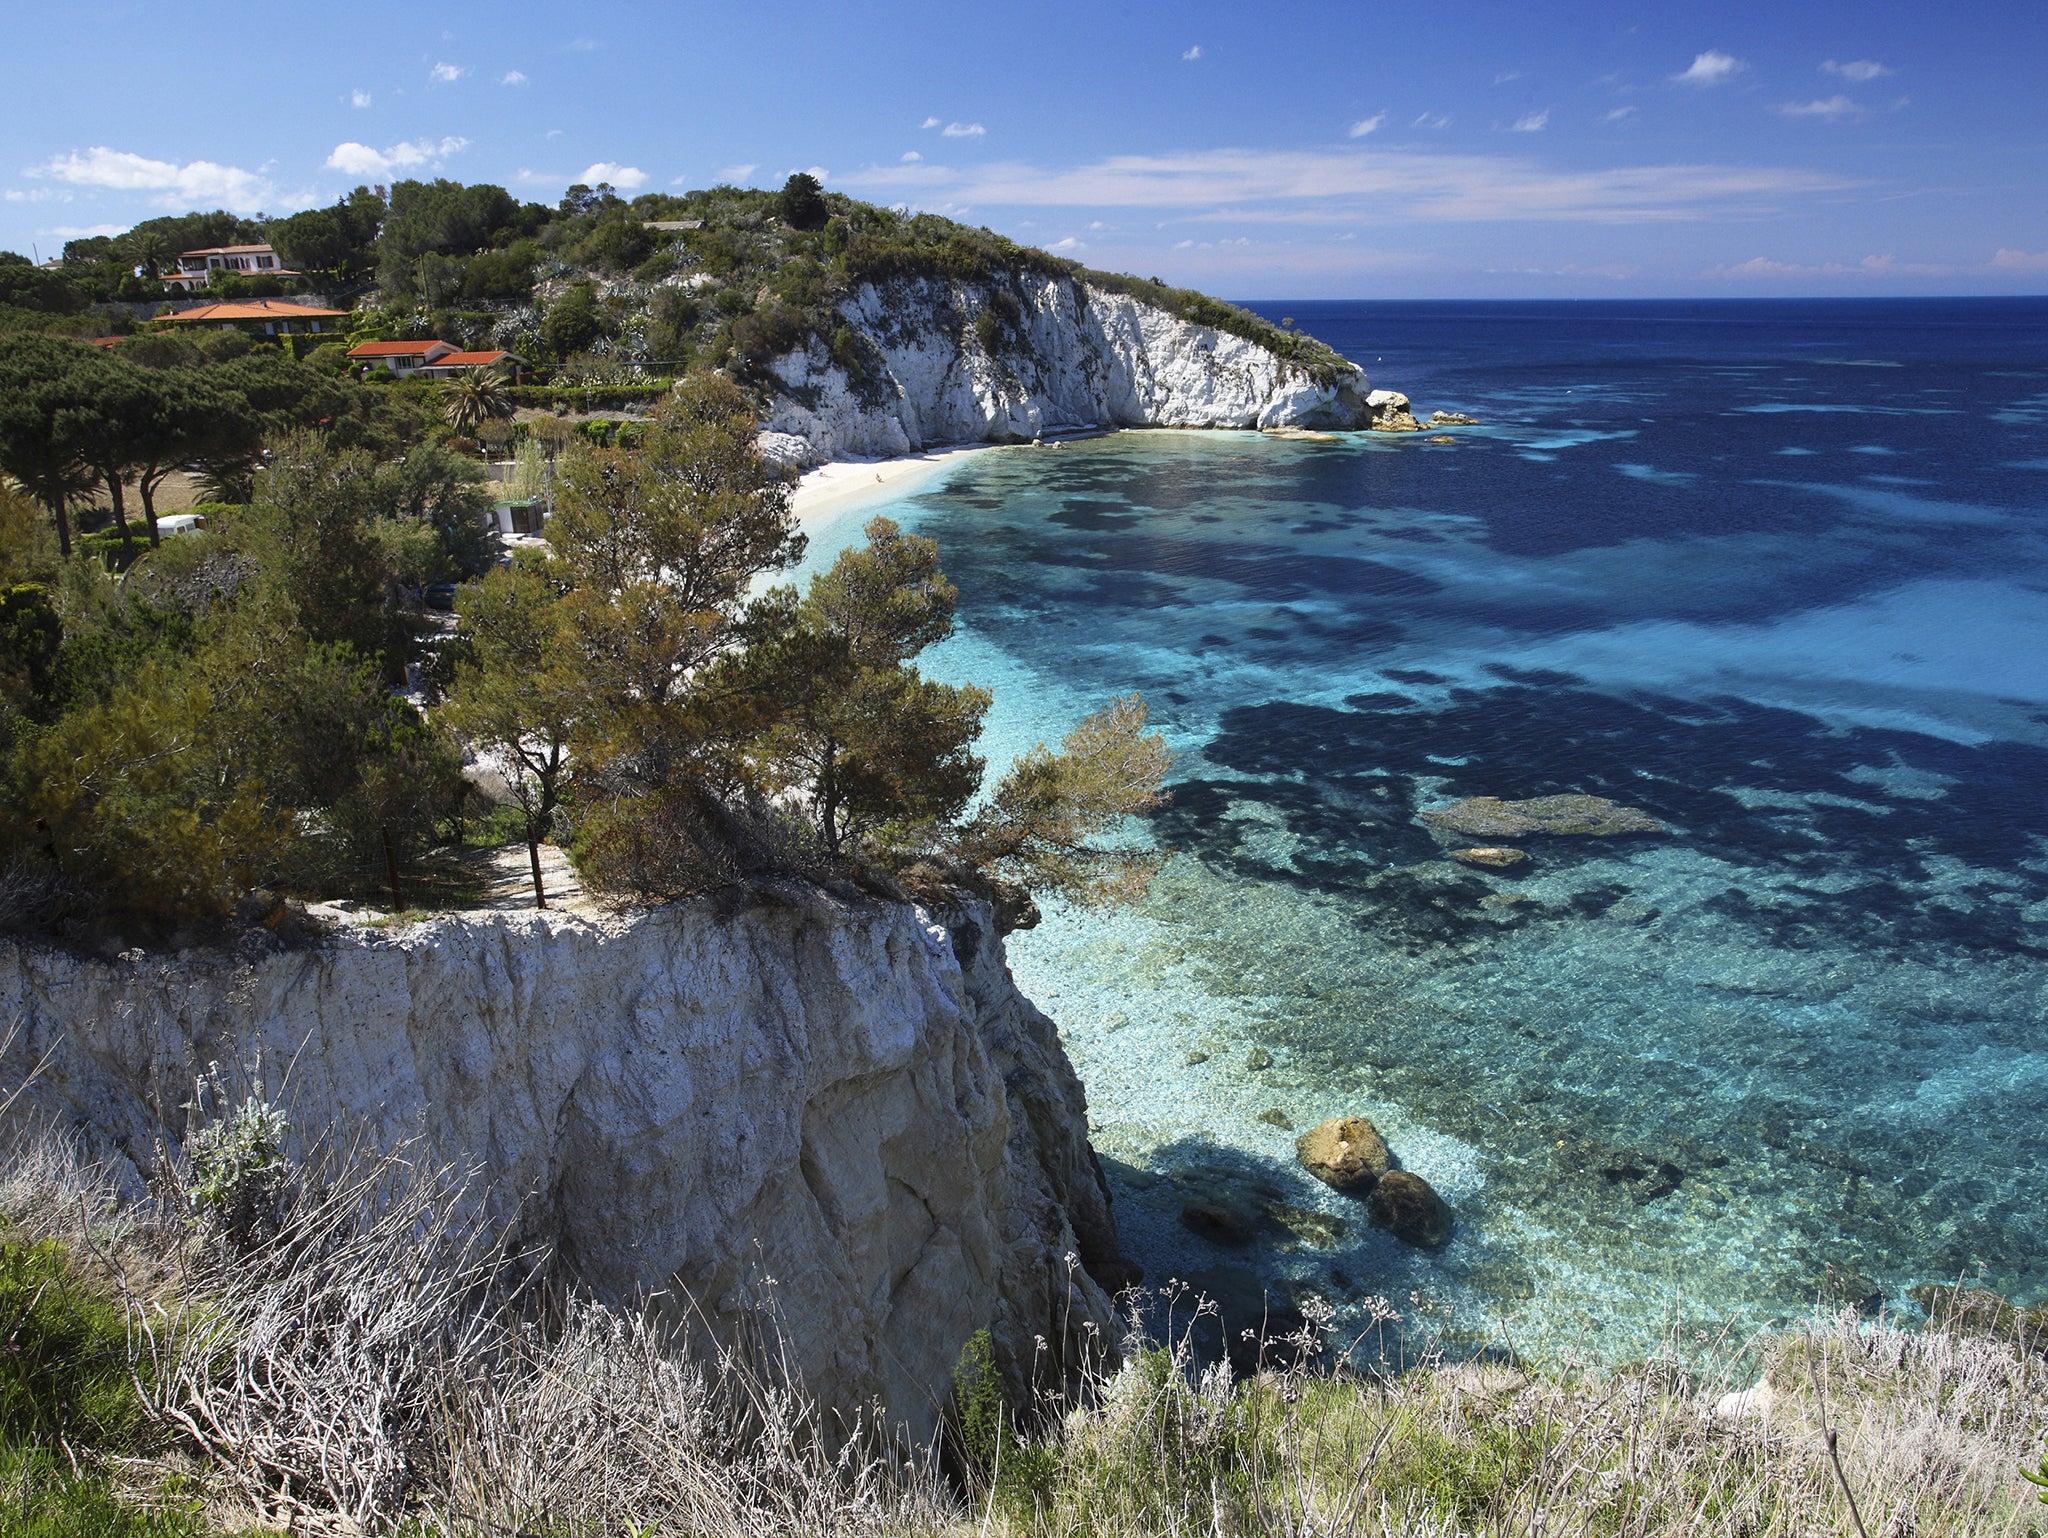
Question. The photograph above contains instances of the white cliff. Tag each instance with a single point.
(1066, 355)
(843, 1112)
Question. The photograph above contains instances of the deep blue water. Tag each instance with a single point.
(1774, 573)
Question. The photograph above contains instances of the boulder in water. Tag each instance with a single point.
(1408, 1207)
(1345, 1153)
(1217, 1223)
(1451, 419)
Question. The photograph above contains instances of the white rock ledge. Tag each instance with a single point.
(1080, 357)
(850, 1098)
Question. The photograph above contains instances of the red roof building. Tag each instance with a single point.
(435, 360)
(265, 317)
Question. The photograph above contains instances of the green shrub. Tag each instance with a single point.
(239, 1170)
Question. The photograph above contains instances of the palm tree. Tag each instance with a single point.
(478, 396)
(152, 251)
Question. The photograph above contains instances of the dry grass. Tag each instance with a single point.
(379, 1362)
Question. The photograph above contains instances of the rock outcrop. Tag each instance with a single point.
(842, 1114)
(931, 368)
(1390, 413)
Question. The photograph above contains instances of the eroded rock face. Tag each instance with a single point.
(1345, 1153)
(845, 1111)
(1451, 419)
(1408, 1207)
(1078, 357)
(1491, 817)
(1391, 412)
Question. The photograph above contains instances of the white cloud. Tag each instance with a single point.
(930, 122)
(35, 194)
(1532, 122)
(2012, 259)
(738, 173)
(190, 185)
(1859, 70)
(447, 74)
(911, 156)
(512, 77)
(1366, 125)
(84, 231)
(1354, 186)
(353, 159)
(1510, 74)
(1432, 120)
(627, 177)
(1870, 267)
(1619, 113)
(1832, 110)
(1711, 68)
(1068, 244)
(1192, 54)
(582, 45)
(359, 98)
(963, 130)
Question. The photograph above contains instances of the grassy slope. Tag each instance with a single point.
(597, 1424)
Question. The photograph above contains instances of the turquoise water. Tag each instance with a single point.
(1775, 574)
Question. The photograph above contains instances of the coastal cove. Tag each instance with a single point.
(1770, 573)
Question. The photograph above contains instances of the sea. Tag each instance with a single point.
(1773, 573)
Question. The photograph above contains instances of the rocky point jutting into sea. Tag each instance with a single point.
(1074, 357)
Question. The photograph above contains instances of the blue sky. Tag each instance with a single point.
(1315, 150)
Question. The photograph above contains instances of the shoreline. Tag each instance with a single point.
(836, 487)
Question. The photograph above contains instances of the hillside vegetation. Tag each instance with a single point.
(591, 289)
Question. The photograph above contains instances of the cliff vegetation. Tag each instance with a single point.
(371, 1363)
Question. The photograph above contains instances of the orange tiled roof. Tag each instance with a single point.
(255, 309)
(395, 349)
(471, 359)
(226, 250)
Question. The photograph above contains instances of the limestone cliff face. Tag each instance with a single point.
(843, 1112)
(1070, 356)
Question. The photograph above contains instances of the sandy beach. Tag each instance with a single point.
(834, 489)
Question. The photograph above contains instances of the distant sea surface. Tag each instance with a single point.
(1775, 574)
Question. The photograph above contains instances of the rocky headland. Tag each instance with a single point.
(1069, 356)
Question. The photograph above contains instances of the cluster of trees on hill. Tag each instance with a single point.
(78, 423)
(220, 718)
(740, 277)
(702, 731)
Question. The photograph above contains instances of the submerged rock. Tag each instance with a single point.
(1306, 1227)
(1408, 1207)
(1258, 1061)
(1217, 1223)
(1275, 1117)
(1346, 1153)
(1491, 817)
(1492, 857)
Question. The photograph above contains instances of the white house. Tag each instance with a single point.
(195, 267)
